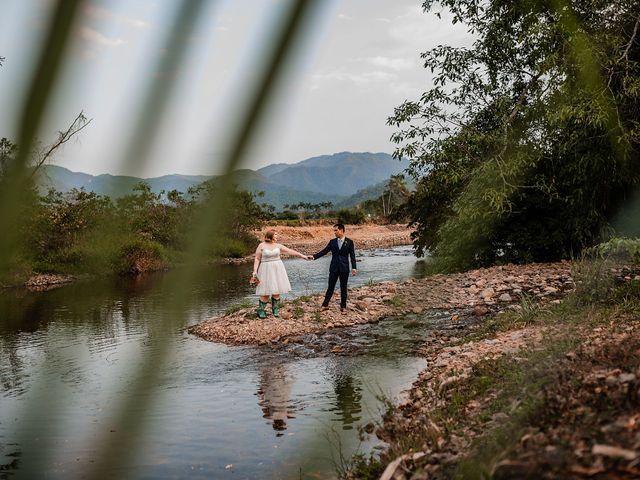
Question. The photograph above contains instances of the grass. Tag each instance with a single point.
(394, 302)
(297, 312)
(301, 299)
(236, 307)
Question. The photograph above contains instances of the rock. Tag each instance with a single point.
(613, 451)
(479, 311)
(505, 297)
(488, 293)
(361, 305)
(626, 378)
(416, 310)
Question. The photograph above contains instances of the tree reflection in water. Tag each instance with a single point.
(348, 399)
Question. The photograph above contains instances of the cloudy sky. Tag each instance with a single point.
(360, 59)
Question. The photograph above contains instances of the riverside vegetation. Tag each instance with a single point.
(527, 149)
(82, 232)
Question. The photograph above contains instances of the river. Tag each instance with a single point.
(73, 359)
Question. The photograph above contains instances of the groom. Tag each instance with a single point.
(341, 249)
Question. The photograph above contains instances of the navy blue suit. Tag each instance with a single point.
(339, 268)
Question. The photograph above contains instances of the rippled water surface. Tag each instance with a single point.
(72, 360)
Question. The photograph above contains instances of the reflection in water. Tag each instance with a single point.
(274, 393)
(348, 399)
(79, 345)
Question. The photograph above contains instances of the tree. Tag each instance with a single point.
(528, 143)
(7, 151)
(395, 194)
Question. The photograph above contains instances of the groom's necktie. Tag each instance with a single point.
(340, 240)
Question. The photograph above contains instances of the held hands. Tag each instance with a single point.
(254, 280)
(354, 271)
(308, 257)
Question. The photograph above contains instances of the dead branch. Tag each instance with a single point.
(78, 124)
(625, 55)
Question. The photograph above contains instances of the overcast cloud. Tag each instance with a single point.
(362, 58)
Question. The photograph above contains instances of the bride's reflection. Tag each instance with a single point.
(273, 396)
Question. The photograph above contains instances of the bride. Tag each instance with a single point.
(269, 272)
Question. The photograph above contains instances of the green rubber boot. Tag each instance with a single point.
(262, 313)
(275, 306)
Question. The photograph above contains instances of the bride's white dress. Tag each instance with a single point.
(272, 274)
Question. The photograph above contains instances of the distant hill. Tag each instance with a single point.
(327, 178)
(338, 174)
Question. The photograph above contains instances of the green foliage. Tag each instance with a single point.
(619, 248)
(396, 301)
(140, 255)
(528, 144)
(83, 232)
(390, 204)
(351, 216)
(593, 273)
(236, 307)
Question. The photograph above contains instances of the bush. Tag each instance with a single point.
(353, 216)
(239, 247)
(138, 255)
(622, 249)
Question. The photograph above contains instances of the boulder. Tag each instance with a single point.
(480, 310)
(505, 297)
(488, 293)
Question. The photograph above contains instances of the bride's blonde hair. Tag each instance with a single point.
(269, 235)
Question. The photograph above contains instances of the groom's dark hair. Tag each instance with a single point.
(339, 226)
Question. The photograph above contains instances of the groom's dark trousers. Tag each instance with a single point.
(333, 279)
(339, 268)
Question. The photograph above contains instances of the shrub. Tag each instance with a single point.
(619, 249)
(138, 255)
(353, 216)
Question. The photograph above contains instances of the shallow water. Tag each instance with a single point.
(72, 358)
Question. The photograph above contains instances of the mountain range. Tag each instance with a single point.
(345, 179)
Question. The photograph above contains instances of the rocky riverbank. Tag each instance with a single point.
(479, 291)
(548, 390)
(556, 399)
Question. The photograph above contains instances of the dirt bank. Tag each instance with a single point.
(481, 291)
(313, 238)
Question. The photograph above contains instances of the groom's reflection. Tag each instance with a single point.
(273, 396)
